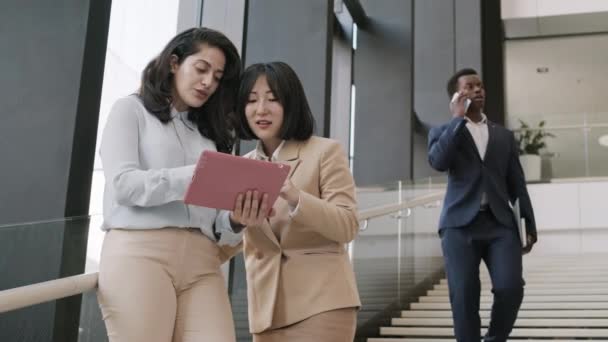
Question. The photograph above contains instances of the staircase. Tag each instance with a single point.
(566, 299)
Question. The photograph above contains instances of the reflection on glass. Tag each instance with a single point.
(598, 151)
(577, 149)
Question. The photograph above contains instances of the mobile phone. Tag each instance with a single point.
(467, 102)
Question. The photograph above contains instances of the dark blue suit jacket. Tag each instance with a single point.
(499, 174)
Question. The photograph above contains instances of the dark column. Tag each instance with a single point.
(451, 35)
(493, 38)
(299, 33)
(383, 103)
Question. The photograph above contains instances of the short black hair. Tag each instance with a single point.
(214, 117)
(298, 122)
(452, 85)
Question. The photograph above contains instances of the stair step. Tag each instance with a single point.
(571, 286)
(522, 314)
(521, 322)
(550, 280)
(527, 298)
(517, 332)
(539, 271)
(409, 339)
(524, 306)
(528, 292)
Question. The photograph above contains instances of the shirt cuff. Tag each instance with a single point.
(223, 227)
(294, 211)
(180, 178)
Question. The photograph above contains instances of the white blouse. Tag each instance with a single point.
(148, 166)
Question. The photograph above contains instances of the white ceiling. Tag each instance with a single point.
(537, 18)
(540, 8)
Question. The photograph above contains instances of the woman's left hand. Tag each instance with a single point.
(290, 193)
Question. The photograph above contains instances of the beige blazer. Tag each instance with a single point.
(299, 266)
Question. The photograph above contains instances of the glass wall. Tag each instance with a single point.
(578, 146)
(551, 80)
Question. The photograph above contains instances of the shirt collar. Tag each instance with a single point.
(484, 120)
(259, 152)
(183, 117)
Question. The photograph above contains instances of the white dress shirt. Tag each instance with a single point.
(480, 134)
(148, 166)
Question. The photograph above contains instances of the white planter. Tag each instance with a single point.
(531, 163)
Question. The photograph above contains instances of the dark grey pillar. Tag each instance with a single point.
(493, 40)
(434, 62)
(299, 33)
(451, 35)
(383, 103)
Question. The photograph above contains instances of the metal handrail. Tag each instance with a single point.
(24, 296)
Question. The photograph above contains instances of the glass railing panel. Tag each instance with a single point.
(423, 187)
(35, 252)
(375, 260)
(422, 250)
(377, 195)
(396, 259)
(35, 323)
(390, 193)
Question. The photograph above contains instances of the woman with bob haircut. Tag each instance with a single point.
(160, 278)
(300, 281)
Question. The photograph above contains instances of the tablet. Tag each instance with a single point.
(220, 177)
(521, 224)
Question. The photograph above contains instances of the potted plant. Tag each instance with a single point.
(531, 141)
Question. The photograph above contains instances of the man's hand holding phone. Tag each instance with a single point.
(459, 105)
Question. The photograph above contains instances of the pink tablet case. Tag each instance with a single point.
(220, 177)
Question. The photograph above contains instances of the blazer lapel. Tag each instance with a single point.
(290, 155)
(265, 228)
(471, 141)
(491, 138)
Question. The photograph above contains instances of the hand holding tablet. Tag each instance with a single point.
(219, 178)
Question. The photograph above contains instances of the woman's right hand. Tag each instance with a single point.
(250, 210)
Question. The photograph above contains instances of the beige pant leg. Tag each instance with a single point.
(204, 313)
(136, 294)
(203, 308)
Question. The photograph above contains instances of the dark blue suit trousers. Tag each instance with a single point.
(499, 247)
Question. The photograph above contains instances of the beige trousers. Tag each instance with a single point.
(331, 326)
(163, 285)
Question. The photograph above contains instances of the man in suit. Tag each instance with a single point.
(477, 223)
